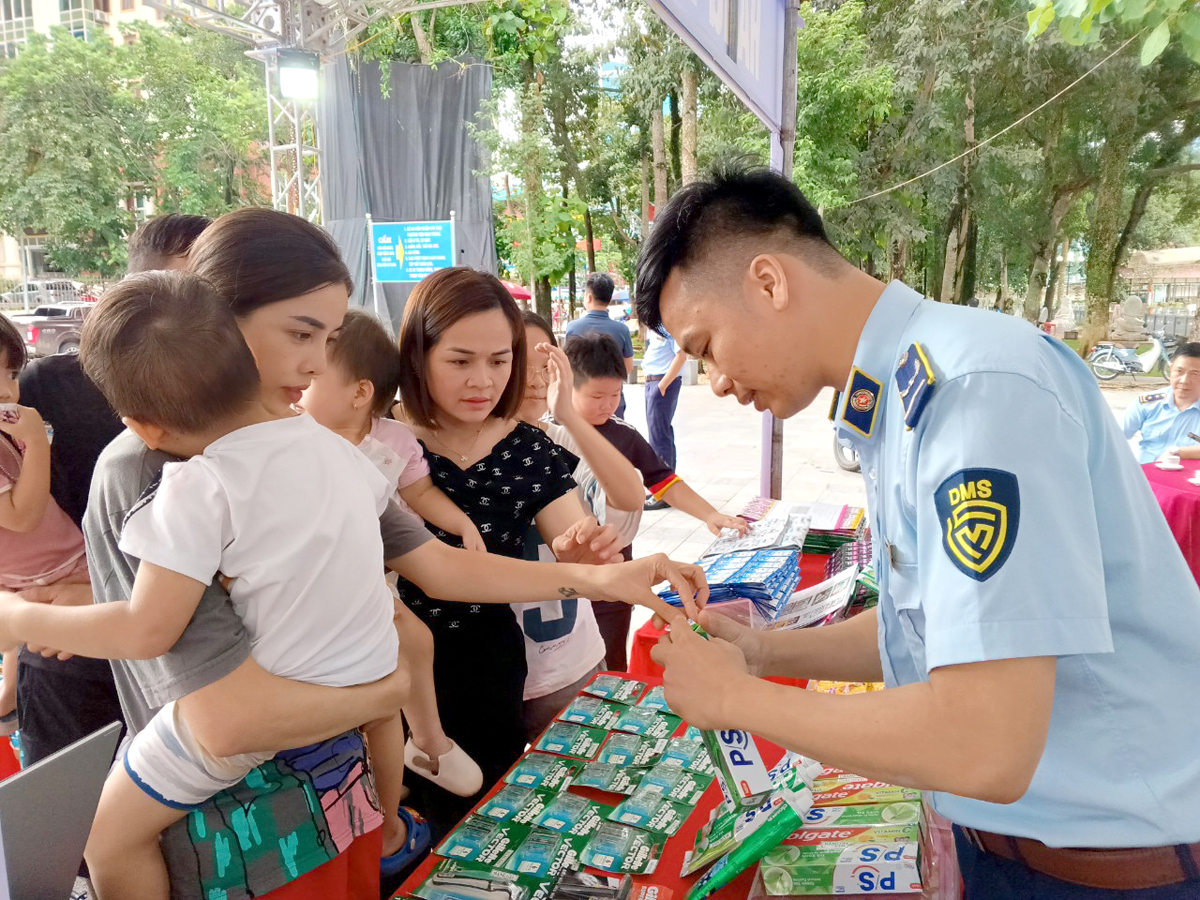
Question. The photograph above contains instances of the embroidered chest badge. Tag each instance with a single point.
(979, 511)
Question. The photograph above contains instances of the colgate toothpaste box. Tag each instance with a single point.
(852, 790)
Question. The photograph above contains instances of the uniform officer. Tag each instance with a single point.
(1165, 418)
(1037, 627)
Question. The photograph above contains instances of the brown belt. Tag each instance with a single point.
(1125, 869)
(652, 378)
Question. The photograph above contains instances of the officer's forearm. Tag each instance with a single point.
(976, 730)
(1189, 451)
(848, 651)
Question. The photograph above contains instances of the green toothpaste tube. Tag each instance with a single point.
(786, 812)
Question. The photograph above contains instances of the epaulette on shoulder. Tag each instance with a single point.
(1152, 396)
(915, 380)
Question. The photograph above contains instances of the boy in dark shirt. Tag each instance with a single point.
(599, 375)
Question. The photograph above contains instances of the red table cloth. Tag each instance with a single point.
(1180, 503)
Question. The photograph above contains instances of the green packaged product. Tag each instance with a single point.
(655, 699)
(612, 687)
(689, 754)
(541, 770)
(649, 810)
(482, 840)
(624, 749)
(608, 777)
(620, 849)
(544, 854)
(577, 741)
(573, 814)
(514, 803)
(676, 783)
(647, 722)
(592, 711)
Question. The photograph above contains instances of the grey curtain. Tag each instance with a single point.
(404, 157)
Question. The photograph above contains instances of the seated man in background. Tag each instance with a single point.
(1166, 418)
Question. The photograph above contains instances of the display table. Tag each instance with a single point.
(666, 883)
(812, 571)
(1180, 503)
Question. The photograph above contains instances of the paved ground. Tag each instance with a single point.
(719, 444)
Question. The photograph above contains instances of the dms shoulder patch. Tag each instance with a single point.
(1152, 396)
(979, 511)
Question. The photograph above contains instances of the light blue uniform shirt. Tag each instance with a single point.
(1011, 521)
(660, 353)
(1161, 423)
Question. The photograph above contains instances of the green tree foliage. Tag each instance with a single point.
(1155, 22)
(69, 153)
(87, 127)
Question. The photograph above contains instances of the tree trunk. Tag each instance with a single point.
(541, 296)
(1051, 277)
(589, 235)
(570, 288)
(1043, 248)
(424, 45)
(1060, 279)
(899, 259)
(676, 157)
(1003, 299)
(1103, 234)
(659, 148)
(645, 196)
(531, 116)
(966, 286)
(958, 242)
(688, 133)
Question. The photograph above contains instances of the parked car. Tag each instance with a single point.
(41, 291)
(55, 328)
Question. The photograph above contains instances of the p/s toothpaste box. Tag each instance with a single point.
(845, 869)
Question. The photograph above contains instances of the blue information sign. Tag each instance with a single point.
(408, 251)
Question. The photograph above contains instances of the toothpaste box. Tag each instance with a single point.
(842, 791)
(812, 836)
(845, 869)
(741, 773)
(866, 815)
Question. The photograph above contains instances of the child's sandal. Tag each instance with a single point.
(456, 772)
(420, 838)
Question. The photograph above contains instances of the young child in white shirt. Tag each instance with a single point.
(285, 510)
(350, 398)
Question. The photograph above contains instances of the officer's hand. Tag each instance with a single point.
(746, 639)
(701, 677)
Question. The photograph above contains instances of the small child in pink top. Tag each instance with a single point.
(39, 544)
(350, 397)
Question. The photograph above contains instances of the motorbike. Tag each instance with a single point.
(844, 453)
(1107, 361)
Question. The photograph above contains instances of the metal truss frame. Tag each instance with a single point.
(268, 25)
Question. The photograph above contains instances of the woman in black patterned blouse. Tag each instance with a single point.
(463, 348)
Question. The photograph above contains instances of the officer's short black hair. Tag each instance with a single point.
(736, 209)
(1190, 349)
(600, 286)
(594, 354)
